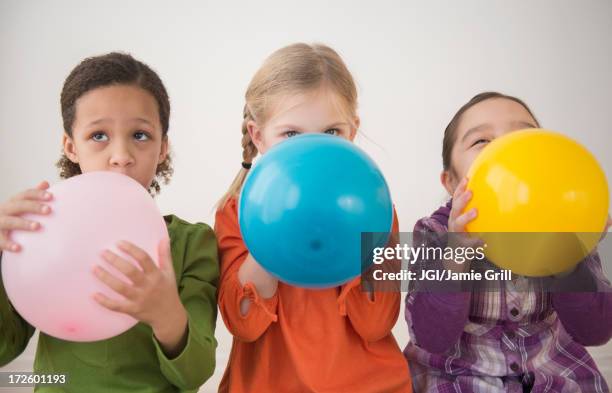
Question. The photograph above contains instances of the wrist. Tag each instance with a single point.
(171, 325)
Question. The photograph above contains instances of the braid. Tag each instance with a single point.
(249, 150)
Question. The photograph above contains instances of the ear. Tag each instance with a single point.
(70, 148)
(163, 154)
(256, 135)
(448, 181)
(356, 124)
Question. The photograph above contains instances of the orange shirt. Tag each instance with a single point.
(305, 340)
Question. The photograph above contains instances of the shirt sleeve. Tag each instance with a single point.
(233, 252)
(15, 332)
(197, 285)
(372, 313)
(586, 316)
(435, 318)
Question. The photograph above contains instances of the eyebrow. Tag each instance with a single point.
(481, 127)
(292, 127)
(524, 124)
(105, 119)
(475, 129)
(98, 121)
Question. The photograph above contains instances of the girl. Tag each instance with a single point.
(507, 339)
(289, 339)
(116, 111)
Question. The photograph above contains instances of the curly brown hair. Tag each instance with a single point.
(113, 69)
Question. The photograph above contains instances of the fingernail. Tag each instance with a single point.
(46, 195)
(45, 209)
(33, 225)
(14, 247)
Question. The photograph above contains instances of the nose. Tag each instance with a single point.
(121, 156)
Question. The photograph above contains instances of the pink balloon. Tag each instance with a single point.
(50, 282)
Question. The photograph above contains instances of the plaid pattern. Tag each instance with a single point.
(513, 342)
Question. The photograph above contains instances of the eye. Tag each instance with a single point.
(99, 137)
(480, 141)
(141, 136)
(332, 131)
(291, 133)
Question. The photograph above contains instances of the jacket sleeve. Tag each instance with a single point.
(372, 314)
(586, 316)
(197, 285)
(233, 252)
(435, 319)
(15, 332)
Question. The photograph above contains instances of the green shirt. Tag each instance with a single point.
(134, 361)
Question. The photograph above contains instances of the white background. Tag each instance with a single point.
(415, 64)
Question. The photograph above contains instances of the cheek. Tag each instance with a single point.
(267, 141)
(148, 157)
(92, 154)
(461, 163)
(467, 161)
(92, 161)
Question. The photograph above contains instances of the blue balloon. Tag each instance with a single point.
(304, 206)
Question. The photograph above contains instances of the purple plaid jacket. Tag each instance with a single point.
(507, 340)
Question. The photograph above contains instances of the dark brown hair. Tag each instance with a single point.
(450, 132)
(107, 70)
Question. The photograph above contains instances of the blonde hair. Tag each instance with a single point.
(294, 69)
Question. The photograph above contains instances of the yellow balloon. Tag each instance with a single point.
(542, 202)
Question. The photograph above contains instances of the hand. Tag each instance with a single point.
(457, 221)
(29, 201)
(150, 297)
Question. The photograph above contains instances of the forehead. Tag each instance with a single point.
(321, 105)
(117, 100)
(494, 111)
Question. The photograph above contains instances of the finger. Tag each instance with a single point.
(122, 288)
(464, 219)
(33, 194)
(460, 187)
(165, 256)
(10, 223)
(143, 259)
(18, 207)
(460, 203)
(7, 245)
(128, 269)
(110, 304)
(464, 199)
(43, 185)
